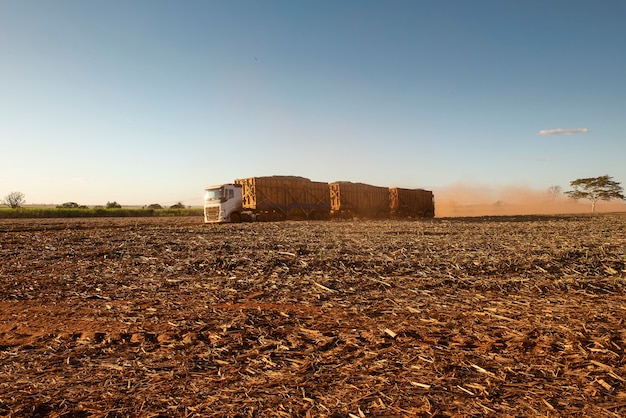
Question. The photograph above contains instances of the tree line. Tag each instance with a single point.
(18, 199)
(594, 189)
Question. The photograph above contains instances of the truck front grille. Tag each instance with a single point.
(211, 214)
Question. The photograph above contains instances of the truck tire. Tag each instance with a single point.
(235, 217)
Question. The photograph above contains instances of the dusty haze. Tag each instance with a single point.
(468, 200)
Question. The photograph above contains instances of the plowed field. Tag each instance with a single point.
(515, 316)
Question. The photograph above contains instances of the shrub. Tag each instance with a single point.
(71, 205)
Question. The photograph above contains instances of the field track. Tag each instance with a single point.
(159, 317)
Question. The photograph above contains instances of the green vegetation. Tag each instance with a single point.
(180, 212)
(61, 212)
(72, 205)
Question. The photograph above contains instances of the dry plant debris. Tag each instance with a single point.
(516, 316)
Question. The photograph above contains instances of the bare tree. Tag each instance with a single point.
(596, 189)
(14, 199)
(554, 192)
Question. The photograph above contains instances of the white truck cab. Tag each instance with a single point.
(223, 203)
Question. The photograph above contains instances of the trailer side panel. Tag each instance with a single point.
(289, 196)
(411, 202)
(359, 199)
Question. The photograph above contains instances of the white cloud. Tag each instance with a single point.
(562, 131)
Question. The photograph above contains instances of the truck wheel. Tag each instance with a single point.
(235, 217)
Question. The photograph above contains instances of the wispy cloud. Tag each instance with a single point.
(562, 131)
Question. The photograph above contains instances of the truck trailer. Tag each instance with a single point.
(360, 200)
(411, 203)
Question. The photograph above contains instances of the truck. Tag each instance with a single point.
(290, 197)
(266, 199)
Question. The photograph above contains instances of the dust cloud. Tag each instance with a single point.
(473, 200)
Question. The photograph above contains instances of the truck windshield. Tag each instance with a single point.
(213, 194)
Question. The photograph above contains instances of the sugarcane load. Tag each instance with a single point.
(273, 198)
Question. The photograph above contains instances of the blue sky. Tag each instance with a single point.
(150, 101)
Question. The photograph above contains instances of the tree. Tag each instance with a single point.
(71, 205)
(595, 189)
(113, 205)
(14, 199)
(554, 192)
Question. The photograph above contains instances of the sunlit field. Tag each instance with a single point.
(167, 316)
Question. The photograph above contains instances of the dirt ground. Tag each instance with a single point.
(160, 317)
